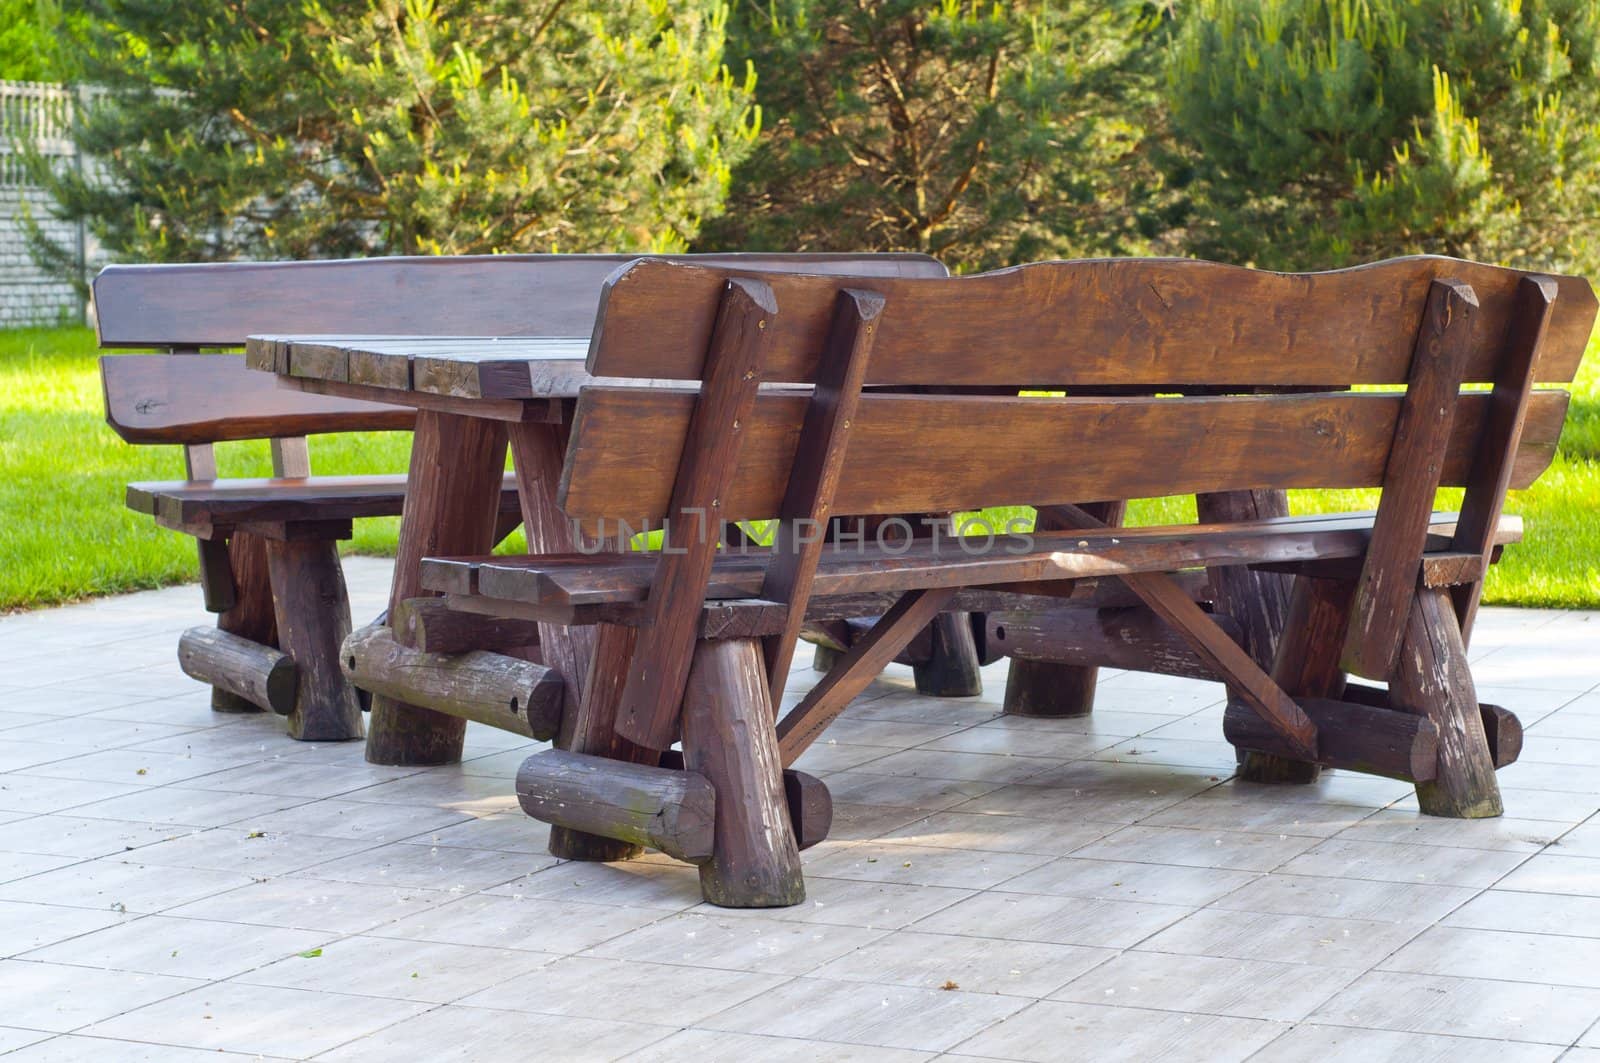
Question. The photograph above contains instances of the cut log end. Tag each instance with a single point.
(248, 671)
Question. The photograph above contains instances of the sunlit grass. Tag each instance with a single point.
(65, 534)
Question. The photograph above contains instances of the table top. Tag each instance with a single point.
(463, 367)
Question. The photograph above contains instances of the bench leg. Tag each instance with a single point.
(452, 505)
(1432, 679)
(953, 670)
(1050, 689)
(728, 736)
(313, 613)
(594, 731)
(1306, 665)
(252, 615)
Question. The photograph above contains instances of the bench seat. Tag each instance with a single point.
(186, 505)
(561, 583)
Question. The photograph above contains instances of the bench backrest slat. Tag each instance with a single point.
(1113, 322)
(220, 304)
(929, 453)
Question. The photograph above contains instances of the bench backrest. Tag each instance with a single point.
(169, 399)
(1152, 326)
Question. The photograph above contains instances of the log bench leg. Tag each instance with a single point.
(1306, 665)
(252, 615)
(452, 504)
(728, 737)
(1048, 688)
(1432, 679)
(313, 617)
(952, 670)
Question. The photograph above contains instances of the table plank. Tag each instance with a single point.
(470, 367)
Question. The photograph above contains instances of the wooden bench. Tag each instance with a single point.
(269, 567)
(695, 641)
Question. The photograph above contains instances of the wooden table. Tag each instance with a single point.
(473, 396)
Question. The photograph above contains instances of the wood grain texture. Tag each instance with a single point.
(455, 488)
(1096, 323)
(251, 615)
(674, 811)
(1501, 728)
(1433, 679)
(313, 612)
(807, 506)
(1411, 478)
(320, 498)
(259, 674)
(1484, 500)
(1136, 639)
(489, 688)
(429, 625)
(628, 442)
(180, 398)
(1349, 736)
(219, 304)
(710, 453)
(728, 738)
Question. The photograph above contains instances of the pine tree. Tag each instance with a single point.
(983, 132)
(266, 129)
(1321, 132)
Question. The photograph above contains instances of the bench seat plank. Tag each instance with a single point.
(242, 501)
(567, 581)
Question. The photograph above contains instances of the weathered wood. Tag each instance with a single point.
(1432, 679)
(1051, 688)
(313, 613)
(728, 738)
(1484, 499)
(1134, 638)
(1259, 441)
(490, 688)
(455, 485)
(182, 398)
(951, 667)
(810, 803)
(1389, 575)
(259, 674)
(1116, 322)
(833, 693)
(592, 729)
(1349, 735)
(244, 501)
(251, 616)
(1257, 601)
(1244, 677)
(217, 591)
(1501, 728)
(674, 811)
(429, 625)
(713, 439)
(807, 504)
(219, 304)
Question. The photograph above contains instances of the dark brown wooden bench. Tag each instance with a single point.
(696, 640)
(269, 567)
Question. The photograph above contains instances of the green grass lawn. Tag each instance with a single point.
(66, 535)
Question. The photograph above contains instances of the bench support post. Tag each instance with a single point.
(452, 503)
(1432, 679)
(313, 621)
(729, 739)
(1045, 688)
(251, 615)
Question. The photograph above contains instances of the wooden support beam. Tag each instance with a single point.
(1136, 638)
(810, 803)
(430, 625)
(674, 811)
(825, 701)
(653, 691)
(1485, 496)
(1501, 728)
(505, 692)
(259, 674)
(313, 617)
(1389, 575)
(819, 458)
(216, 575)
(1432, 679)
(1219, 652)
(728, 738)
(251, 614)
(1350, 736)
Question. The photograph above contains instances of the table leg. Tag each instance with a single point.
(452, 499)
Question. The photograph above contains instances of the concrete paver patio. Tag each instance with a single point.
(176, 884)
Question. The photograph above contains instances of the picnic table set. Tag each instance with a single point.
(717, 457)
